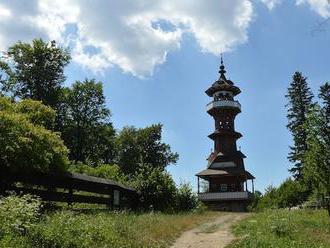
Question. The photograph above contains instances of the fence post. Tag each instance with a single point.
(111, 199)
(70, 196)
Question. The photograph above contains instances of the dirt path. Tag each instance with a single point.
(215, 234)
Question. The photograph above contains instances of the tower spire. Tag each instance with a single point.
(222, 70)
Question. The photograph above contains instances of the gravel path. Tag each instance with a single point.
(215, 234)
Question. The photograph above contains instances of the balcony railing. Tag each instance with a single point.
(223, 103)
(214, 196)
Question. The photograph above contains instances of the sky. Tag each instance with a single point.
(156, 59)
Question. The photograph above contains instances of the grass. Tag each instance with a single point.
(283, 228)
(106, 229)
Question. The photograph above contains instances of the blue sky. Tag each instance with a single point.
(163, 79)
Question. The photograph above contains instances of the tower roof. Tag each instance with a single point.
(222, 84)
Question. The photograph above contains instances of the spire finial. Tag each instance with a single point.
(222, 70)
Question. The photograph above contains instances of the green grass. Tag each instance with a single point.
(106, 229)
(283, 228)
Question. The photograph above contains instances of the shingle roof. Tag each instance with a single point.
(224, 172)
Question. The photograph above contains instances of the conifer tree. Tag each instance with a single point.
(299, 102)
(325, 97)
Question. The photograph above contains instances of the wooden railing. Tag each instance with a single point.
(213, 196)
(70, 188)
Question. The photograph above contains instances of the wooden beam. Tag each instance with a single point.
(198, 185)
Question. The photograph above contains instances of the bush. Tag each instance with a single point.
(18, 214)
(186, 198)
(158, 191)
(106, 171)
(290, 193)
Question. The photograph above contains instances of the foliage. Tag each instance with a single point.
(289, 194)
(257, 196)
(325, 97)
(105, 229)
(269, 199)
(317, 157)
(186, 199)
(18, 214)
(27, 146)
(143, 146)
(35, 71)
(106, 171)
(36, 112)
(157, 188)
(300, 100)
(86, 129)
(283, 228)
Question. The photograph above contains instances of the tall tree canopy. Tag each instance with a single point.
(144, 145)
(34, 71)
(87, 130)
(317, 157)
(299, 102)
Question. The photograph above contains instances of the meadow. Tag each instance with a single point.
(21, 225)
(283, 228)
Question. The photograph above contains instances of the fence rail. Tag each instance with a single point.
(70, 188)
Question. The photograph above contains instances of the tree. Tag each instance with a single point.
(186, 198)
(87, 130)
(300, 100)
(26, 145)
(34, 71)
(291, 193)
(157, 187)
(324, 95)
(144, 145)
(269, 199)
(317, 157)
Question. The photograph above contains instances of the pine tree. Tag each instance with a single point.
(325, 97)
(300, 101)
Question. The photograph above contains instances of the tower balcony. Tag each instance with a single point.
(223, 104)
(225, 196)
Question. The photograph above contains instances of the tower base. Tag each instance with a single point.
(228, 206)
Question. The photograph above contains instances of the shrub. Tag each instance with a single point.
(157, 188)
(186, 198)
(107, 171)
(18, 214)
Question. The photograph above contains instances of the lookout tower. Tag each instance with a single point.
(226, 177)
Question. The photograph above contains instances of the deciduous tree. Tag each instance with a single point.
(144, 145)
(34, 71)
(87, 130)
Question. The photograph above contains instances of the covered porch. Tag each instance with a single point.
(224, 185)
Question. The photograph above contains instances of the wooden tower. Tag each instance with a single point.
(225, 175)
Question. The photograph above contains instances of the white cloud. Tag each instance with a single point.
(134, 35)
(271, 3)
(322, 7)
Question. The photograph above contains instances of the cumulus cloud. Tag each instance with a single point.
(134, 35)
(322, 7)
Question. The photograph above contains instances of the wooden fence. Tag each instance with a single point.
(70, 188)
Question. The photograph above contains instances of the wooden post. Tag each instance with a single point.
(246, 187)
(198, 185)
(111, 199)
(70, 196)
(252, 186)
